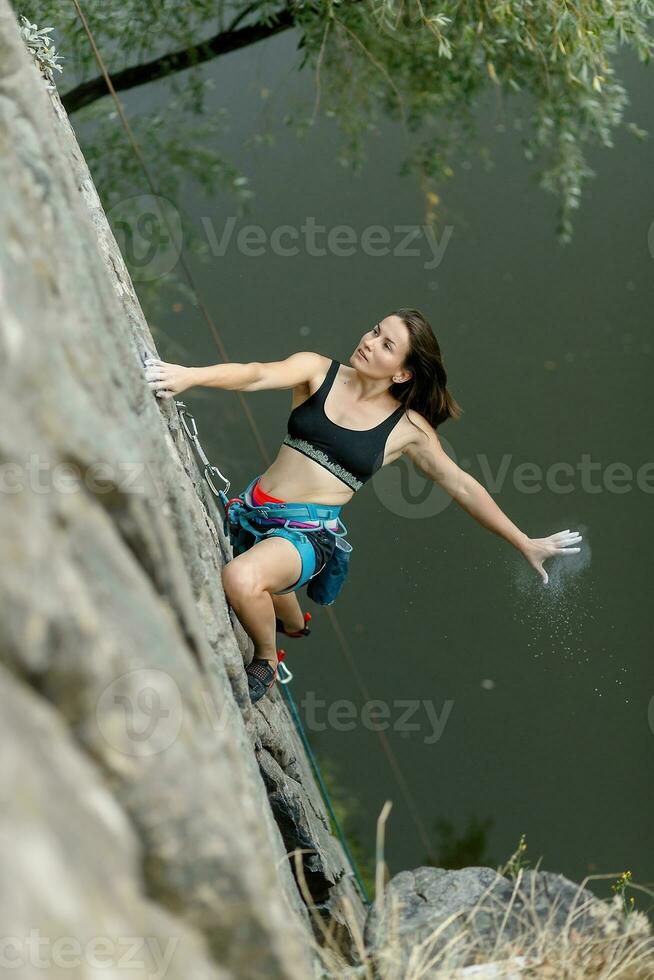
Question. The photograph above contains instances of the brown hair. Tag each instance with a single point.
(426, 391)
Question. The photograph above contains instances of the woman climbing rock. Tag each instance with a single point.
(347, 421)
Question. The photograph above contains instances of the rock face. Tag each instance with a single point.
(72, 862)
(144, 795)
(431, 906)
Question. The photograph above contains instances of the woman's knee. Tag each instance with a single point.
(268, 566)
(240, 578)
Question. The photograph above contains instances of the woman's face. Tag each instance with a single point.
(383, 349)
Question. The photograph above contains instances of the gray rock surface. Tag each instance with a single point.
(72, 863)
(114, 616)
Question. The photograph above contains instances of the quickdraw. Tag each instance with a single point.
(209, 469)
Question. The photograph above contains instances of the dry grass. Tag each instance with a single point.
(617, 945)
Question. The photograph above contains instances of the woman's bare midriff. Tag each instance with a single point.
(294, 476)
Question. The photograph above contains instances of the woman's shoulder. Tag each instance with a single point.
(315, 364)
(323, 362)
(315, 368)
(417, 428)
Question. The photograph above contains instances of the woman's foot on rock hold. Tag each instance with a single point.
(262, 675)
(293, 629)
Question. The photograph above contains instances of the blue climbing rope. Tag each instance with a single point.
(324, 791)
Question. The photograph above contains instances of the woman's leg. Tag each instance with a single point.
(287, 607)
(268, 566)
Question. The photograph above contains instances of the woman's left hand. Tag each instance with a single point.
(537, 550)
(165, 379)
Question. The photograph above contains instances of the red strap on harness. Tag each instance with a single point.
(231, 501)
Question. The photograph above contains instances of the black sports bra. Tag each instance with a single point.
(352, 455)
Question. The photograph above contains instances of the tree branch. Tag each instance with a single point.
(167, 64)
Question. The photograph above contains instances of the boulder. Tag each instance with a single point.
(457, 918)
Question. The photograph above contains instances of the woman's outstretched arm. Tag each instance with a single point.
(167, 379)
(432, 460)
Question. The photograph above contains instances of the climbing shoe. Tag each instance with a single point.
(279, 626)
(262, 676)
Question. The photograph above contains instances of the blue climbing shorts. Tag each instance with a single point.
(315, 546)
(315, 550)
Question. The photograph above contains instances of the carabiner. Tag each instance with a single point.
(289, 675)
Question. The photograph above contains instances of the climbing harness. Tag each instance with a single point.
(241, 514)
(249, 522)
